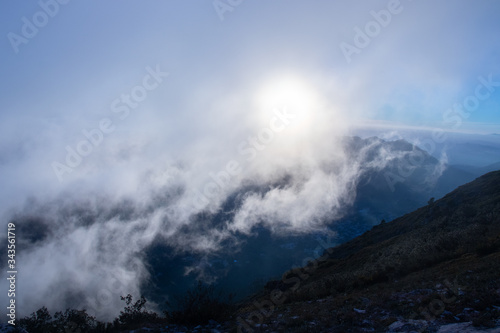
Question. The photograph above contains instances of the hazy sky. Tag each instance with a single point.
(120, 98)
(62, 71)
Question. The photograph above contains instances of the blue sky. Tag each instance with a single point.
(427, 58)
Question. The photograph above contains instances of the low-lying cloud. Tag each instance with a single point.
(85, 246)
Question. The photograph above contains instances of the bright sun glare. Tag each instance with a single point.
(294, 94)
(290, 91)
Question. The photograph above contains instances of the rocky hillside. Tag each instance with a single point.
(433, 270)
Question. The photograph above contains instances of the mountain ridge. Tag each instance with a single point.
(358, 286)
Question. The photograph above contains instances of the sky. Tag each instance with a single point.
(120, 99)
(62, 77)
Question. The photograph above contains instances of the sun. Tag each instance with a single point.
(292, 93)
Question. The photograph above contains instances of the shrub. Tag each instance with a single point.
(135, 314)
(70, 321)
(39, 321)
(74, 321)
(200, 305)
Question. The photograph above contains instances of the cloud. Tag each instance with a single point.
(90, 245)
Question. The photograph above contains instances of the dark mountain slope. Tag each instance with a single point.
(435, 266)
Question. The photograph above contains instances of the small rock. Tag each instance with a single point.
(453, 328)
(213, 322)
(397, 326)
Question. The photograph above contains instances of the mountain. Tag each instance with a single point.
(466, 149)
(434, 270)
(396, 177)
(154, 244)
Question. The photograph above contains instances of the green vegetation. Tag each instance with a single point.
(198, 306)
(63, 322)
(135, 314)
